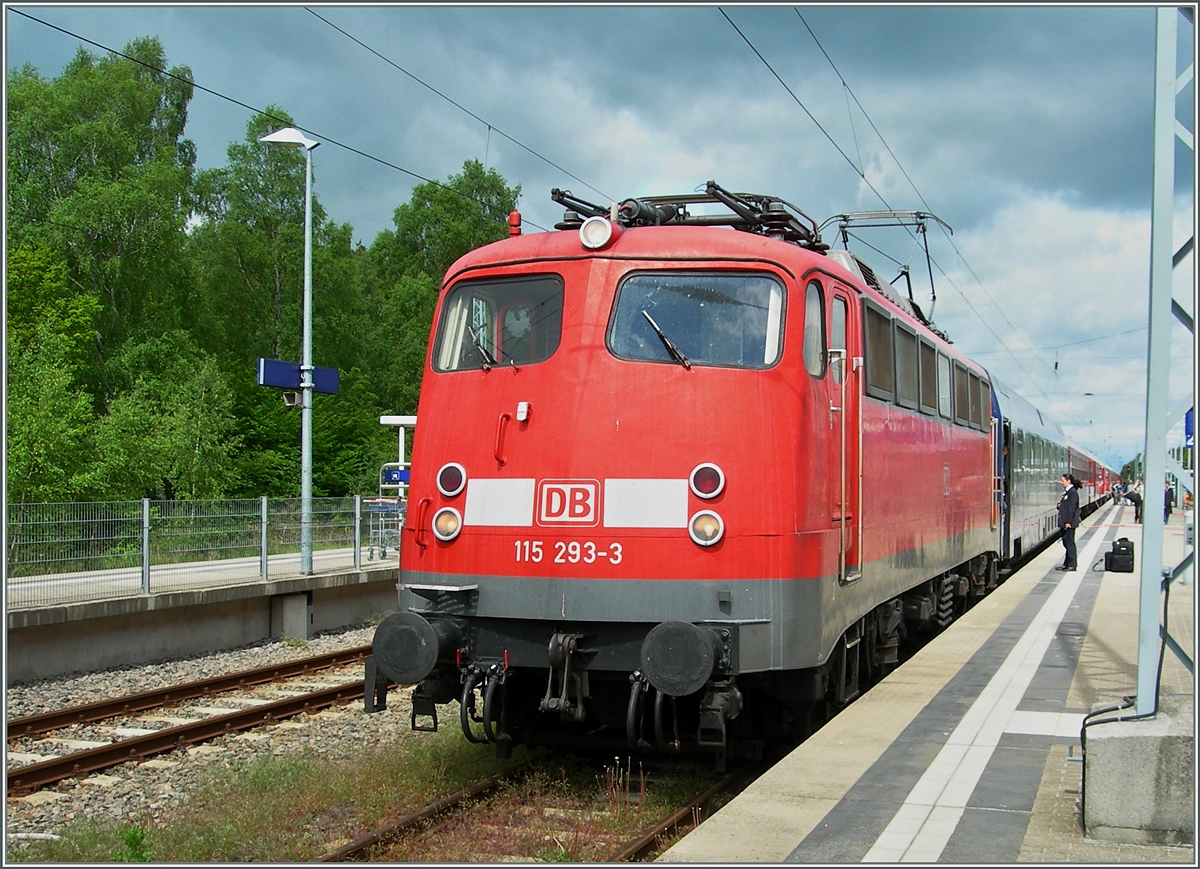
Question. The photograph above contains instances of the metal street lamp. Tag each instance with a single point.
(293, 138)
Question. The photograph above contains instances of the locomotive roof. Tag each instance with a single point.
(769, 229)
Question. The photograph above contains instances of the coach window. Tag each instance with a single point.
(837, 337)
(929, 379)
(962, 395)
(976, 418)
(498, 322)
(814, 330)
(906, 366)
(945, 396)
(878, 326)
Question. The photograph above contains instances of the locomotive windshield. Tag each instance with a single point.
(487, 323)
(722, 319)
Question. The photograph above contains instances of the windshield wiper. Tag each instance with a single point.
(675, 352)
(488, 359)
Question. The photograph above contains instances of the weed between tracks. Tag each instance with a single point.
(282, 808)
(290, 808)
(561, 810)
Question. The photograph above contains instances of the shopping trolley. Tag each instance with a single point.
(386, 513)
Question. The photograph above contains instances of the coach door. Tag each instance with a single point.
(845, 368)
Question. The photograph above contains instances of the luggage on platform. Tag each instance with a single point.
(1120, 559)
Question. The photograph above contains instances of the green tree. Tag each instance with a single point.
(438, 224)
(169, 430)
(51, 332)
(249, 250)
(48, 423)
(99, 172)
(441, 222)
(250, 247)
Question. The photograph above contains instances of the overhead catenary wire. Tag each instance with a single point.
(798, 102)
(457, 105)
(318, 134)
(911, 183)
(879, 195)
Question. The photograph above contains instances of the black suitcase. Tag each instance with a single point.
(1120, 559)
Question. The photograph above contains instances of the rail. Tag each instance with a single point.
(33, 776)
(72, 552)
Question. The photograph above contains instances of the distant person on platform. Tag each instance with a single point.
(1068, 520)
(1168, 501)
(1134, 497)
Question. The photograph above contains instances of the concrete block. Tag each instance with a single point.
(292, 616)
(1139, 782)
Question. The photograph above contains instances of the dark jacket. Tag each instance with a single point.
(1068, 508)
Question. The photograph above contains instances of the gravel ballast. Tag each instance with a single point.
(136, 791)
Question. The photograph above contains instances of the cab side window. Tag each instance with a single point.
(814, 330)
(837, 337)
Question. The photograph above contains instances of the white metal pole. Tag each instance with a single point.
(262, 540)
(145, 546)
(306, 383)
(1158, 367)
(358, 532)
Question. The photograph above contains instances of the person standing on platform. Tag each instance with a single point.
(1068, 521)
(1168, 501)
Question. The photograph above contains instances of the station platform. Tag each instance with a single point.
(51, 641)
(970, 752)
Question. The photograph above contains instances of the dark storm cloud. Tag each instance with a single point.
(1027, 129)
(1050, 99)
(1000, 98)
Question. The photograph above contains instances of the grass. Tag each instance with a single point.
(286, 808)
(561, 811)
(136, 849)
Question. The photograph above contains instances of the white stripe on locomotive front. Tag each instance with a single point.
(628, 503)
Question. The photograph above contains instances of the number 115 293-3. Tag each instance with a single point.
(568, 552)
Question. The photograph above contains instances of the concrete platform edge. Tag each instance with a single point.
(57, 641)
(51, 615)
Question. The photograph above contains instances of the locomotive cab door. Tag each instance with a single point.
(845, 370)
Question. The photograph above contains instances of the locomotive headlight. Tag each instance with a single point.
(706, 528)
(451, 479)
(446, 524)
(707, 481)
(598, 232)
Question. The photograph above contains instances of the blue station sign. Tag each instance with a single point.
(286, 375)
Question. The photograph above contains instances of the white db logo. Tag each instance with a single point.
(568, 502)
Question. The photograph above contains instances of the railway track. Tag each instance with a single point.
(642, 844)
(142, 742)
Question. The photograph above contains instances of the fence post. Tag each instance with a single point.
(358, 532)
(146, 546)
(262, 547)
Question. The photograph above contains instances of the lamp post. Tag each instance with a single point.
(293, 138)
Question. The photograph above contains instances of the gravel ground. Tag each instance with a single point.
(154, 786)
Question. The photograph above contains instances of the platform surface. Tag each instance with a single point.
(970, 752)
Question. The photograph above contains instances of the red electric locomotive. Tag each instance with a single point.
(680, 478)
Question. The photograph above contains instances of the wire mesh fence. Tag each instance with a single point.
(102, 541)
(67, 552)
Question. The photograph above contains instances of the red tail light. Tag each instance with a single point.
(451, 479)
(707, 481)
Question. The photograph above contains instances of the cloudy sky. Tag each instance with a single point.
(1028, 130)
